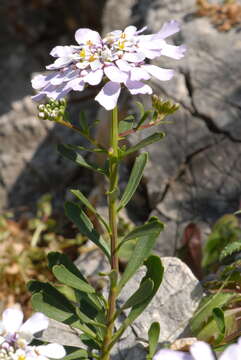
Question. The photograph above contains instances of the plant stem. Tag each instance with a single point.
(112, 197)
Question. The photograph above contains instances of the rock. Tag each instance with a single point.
(29, 163)
(192, 175)
(174, 304)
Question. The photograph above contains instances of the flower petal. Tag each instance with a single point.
(123, 65)
(39, 81)
(61, 51)
(109, 94)
(130, 30)
(84, 35)
(201, 350)
(94, 77)
(134, 57)
(76, 84)
(57, 92)
(159, 73)
(54, 351)
(172, 355)
(115, 74)
(233, 352)
(172, 51)
(138, 73)
(59, 63)
(36, 323)
(38, 97)
(168, 29)
(12, 319)
(95, 65)
(137, 87)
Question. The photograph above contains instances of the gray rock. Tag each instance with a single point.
(173, 306)
(192, 175)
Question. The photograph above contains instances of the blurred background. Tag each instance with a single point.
(194, 175)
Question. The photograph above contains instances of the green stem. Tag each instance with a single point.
(112, 197)
(86, 136)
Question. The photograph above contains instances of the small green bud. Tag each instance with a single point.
(164, 107)
(54, 110)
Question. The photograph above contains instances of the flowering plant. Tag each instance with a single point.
(15, 337)
(200, 351)
(121, 58)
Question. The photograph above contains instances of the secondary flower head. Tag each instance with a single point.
(15, 337)
(200, 351)
(120, 58)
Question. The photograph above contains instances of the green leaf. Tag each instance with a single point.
(53, 308)
(225, 231)
(230, 249)
(151, 227)
(141, 108)
(205, 310)
(89, 206)
(153, 337)
(70, 279)
(143, 247)
(82, 148)
(218, 316)
(56, 258)
(52, 303)
(143, 118)
(210, 331)
(85, 226)
(140, 295)
(126, 124)
(154, 272)
(134, 180)
(77, 354)
(83, 123)
(76, 157)
(145, 142)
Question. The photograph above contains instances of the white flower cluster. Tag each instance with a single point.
(15, 337)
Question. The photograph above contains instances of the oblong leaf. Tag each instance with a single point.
(134, 180)
(76, 157)
(89, 206)
(145, 142)
(77, 354)
(85, 226)
(52, 303)
(151, 227)
(68, 278)
(143, 247)
(153, 337)
(141, 294)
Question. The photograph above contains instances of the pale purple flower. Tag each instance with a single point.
(119, 59)
(12, 327)
(45, 352)
(201, 351)
(15, 337)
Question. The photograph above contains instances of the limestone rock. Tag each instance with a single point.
(193, 174)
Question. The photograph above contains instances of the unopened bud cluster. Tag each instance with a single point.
(164, 107)
(54, 110)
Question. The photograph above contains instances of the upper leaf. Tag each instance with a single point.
(134, 180)
(85, 226)
(75, 156)
(145, 142)
(143, 247)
